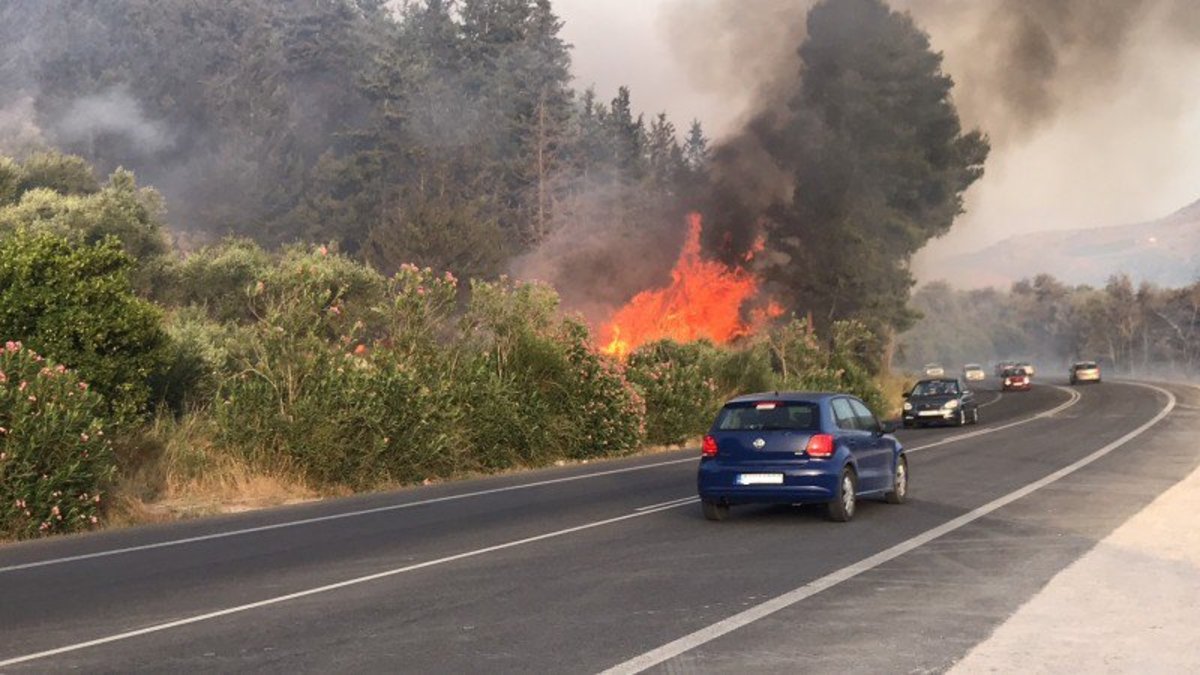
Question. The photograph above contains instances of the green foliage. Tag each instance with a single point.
(806, 362)
(55, 461)
(12, 176)
(120, 209)
(75, 304)
(219, 279)
(58, 172)
(678, 384)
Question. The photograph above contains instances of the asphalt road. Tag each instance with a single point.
(586, 568)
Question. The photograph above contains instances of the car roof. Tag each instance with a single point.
(787, 397)
(973, 366)
(938, 379)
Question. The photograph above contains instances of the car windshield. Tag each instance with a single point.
(936, 388)
(768, 416)
(1015, 372)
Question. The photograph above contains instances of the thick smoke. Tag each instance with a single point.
(112, 112)
(1086, 102)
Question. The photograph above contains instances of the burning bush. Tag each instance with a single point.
(55, 461)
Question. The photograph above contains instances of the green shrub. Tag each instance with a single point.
(55, 461)
(679, 386)
(74, 303)
(219, 279)
(193, 361)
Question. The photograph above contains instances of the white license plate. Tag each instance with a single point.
(760, 479)
(931, 413)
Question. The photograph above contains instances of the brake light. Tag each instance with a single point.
(820, 445)
(709, 447)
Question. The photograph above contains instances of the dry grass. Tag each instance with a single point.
(173, 470)
(894, 385)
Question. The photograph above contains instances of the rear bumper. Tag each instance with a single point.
(812, 482)
(1086, 377)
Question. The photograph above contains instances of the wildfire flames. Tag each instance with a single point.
(705, 299)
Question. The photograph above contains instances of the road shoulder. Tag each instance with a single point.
(1131, 604)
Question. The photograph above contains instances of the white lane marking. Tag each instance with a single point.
(1072, 400)
(686, 643)
(674, 502)
(999, 395)
(335, 516)
(326, 588)
(435, 500)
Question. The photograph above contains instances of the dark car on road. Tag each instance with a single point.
(798, 448)
(943, 400)
(1016, 379)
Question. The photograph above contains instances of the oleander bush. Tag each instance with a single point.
(679, 385)
(56, 463)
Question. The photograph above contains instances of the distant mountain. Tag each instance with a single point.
(1165, 252)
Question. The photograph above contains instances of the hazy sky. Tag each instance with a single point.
(1124, 152)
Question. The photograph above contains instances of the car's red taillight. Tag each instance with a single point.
(820, 445)
(709, 447)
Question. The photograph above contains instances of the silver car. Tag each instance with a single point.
(934, 370)
(973, 372)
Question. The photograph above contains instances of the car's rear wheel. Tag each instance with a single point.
(899, 492)
(844, 503)
(715, 510)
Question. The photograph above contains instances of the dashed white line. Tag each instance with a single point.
(689, 642)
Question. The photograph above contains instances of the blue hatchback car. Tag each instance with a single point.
(799, 448)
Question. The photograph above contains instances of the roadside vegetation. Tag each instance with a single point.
(302, 372)
(347, 185)
(1130, 329)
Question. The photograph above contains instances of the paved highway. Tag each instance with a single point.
(611, 565)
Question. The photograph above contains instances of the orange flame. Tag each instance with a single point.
(703, 301)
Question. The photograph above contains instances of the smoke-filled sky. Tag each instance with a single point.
(1092, 106)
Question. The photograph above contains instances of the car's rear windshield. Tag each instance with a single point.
(936, 388)
(768, 416)
(1015, 372)
(1085, 366)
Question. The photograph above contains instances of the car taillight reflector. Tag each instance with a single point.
(709, 448)
(820, 445)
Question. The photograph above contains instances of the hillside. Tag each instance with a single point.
(1164, 252)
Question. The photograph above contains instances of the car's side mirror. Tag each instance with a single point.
(889, 427)
(906, 394)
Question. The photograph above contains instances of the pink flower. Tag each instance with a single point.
(335, 310)
(61, 368)
(3, 431)
(20, 503)
(12, 346)
(324, 250)
(420, 290)
(95, 520)
(84, 437)
(82, 386)
(33, 399)
(22, 386)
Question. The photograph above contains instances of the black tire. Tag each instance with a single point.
(845, 502)
(899, 492)
(715, 511)
(909, 425)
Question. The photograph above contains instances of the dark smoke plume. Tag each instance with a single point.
(1017, 63)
